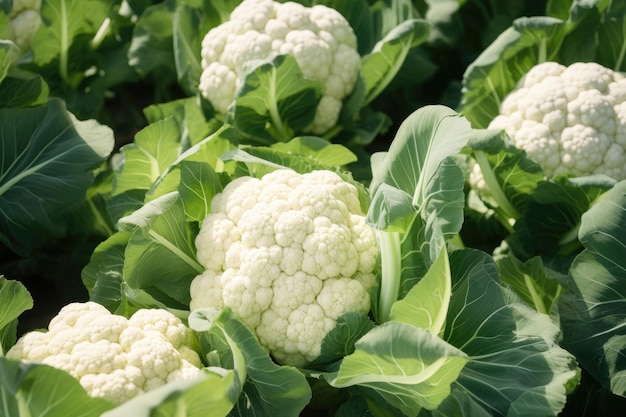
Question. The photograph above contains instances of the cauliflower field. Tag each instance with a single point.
(404, 208)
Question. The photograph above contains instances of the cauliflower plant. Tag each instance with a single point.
(113, 357)
(289, 253)
(24, 20)
(319, 38)
(570, 120)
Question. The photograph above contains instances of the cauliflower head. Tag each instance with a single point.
(570, 120)
(319, 38)
(289, 253)
(24, 20)
(113, 357)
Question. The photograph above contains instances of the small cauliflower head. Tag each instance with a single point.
(319, 38)
(24, 20)
(289, 253)
(571, 120)
(112, 357)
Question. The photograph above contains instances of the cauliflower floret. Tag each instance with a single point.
(113, 357)
(306, 257)
(570, 120)
(319, 38)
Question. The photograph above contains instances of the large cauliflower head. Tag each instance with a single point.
(319, 38)
(289, 253)
(571, 120)
(113, 357)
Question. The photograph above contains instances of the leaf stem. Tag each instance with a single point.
(99, 218)
(493, 91)
(177, 251)
(65, 44)
(277, 123)
(537, 301)
(543, 51)
(494, 188)
(390, 73)
(239, 361)
(22, 405)
(102, 33)
(391, 268)
(570, 236)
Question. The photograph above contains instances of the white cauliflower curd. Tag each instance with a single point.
(319, 38)
(289, 253)
(113, 357)
(571, 120)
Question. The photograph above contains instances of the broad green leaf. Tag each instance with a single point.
(339, 342)
(198, 184)
(531, 281)
(125, 203)
(443, 203)
(394, 209)
(151, 46)
(175, 108)
(269, 390)
(460, 404)
(40, 390)
(426, 207)
(5, 61)
(487, 80)
(549, 226)
(260, 160)
(45, 169)
(386, 58)
(23, 90)
(212, 394)
(594, 313)
(612, 38)
(63, 22)
(194, 124)
(188, 31)
(153, 150)
(426, 304)
(218, 11)
(319, 149)
(423, 239)
(14, 300)
(510, 177)
(103, 275)
(413, 371)
(275, 101)
(422, 142)
(515, 364)
(160, 256)
(356, 406)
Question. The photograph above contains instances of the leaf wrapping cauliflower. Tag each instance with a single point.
(113, 357)
(570, 120)
(289, 253)
(24, 20)
(319, 38)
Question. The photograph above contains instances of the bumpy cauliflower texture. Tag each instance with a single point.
(319, 38)
(571, 120)
(113, 357)
(289, 254)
